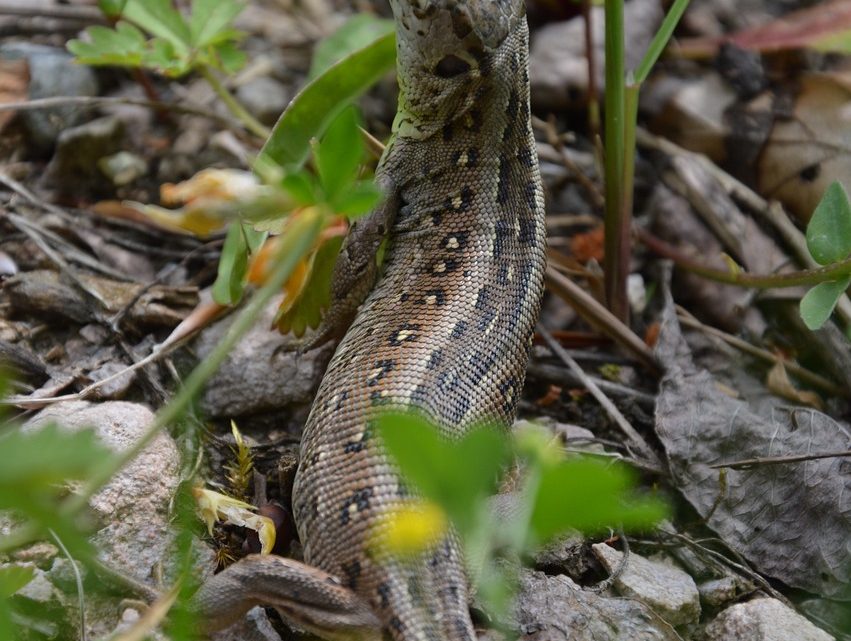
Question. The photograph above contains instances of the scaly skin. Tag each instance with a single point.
(446, 329)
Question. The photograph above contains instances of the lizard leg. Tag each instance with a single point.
(356, 270)
(304, 595)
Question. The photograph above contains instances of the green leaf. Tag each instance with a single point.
(319, 102)
(339, 154)
(111, 8)
(360, 199)
(47, 456)
(458, 475)
(818, 303)
(123, 46)
(233, 266)
(300, 186)
(315, 296)
(829, 230)
(210, 18)
(357, 32)
(13, 578)
(229, 58)
(160, 18)
(588, 495)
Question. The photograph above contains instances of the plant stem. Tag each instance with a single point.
(660, 40)
(251, 123)
(831, 272)
(593, 90)
(616, 270)
(296, 243)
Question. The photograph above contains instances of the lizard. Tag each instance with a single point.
(446, 328)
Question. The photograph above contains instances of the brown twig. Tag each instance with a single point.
(636, 441)
(793, 368)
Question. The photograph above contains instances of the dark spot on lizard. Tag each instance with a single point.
(359, 500)
(532, 196)
(379, 370)
(503, 183)
(433, 297)
(443, 267)
(461, 25)
(436, 219)
(527, 231)
(447, 132)
(524, 155)
(459, 329)
(513, 106)
(502, 233)
(454, 241)
(396, 624)
(358, 445)
(406, 333)
(434, 359)
(352, 571)
(384, 594)
(405, 296)
(419, 394)
(480, 365)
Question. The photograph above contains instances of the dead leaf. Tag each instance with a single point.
(14, 86)
(805, 28)
(791, 521)
(812, 148)
(779, 383)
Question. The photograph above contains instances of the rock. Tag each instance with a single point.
(557, 63)
(554, 608)
(53, 72)
(669, 591)
(567, 555)
(264, 97)
(74, 166)
(717, 592)
(762, 620)
(123, 168)
(133, 506)
(258, 376)
(254, 626)
(39, 590)
(116, 388)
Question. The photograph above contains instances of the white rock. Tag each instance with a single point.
(762, 620)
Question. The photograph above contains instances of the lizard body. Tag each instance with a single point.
(446, 329)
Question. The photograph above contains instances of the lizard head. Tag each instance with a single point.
(444, 50)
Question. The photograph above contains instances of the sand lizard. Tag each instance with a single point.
(446, 328)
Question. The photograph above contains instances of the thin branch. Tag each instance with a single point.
(831, 272)
(779, 460)
(636, 440)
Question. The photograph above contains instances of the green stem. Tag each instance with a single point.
(296, 244)
(660, 40)
(831, 272)
(251, 123)
(615, 281)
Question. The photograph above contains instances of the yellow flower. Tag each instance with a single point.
(410, 529)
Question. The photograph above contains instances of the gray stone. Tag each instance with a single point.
(554, 608)
(254, 626)
(717, 592)
(52, 73)
(762, 620)
(74, 166)
(39, 589)
(133, 506)
(259, 375)
(669, 591)
(264, 97)
(566, 555)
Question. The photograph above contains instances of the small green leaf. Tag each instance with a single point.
(306, 310)
(829, 230)
(123, 46)
(210, 18)
(13, 578)
(319, 102)
(458, 475)
(233, 266)
(588, 495)
(818, 303)
(300, 186)
(160, 18)
(229, 58)
(339, 154)
(111, 8)
(360, 199)
(357, 32)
